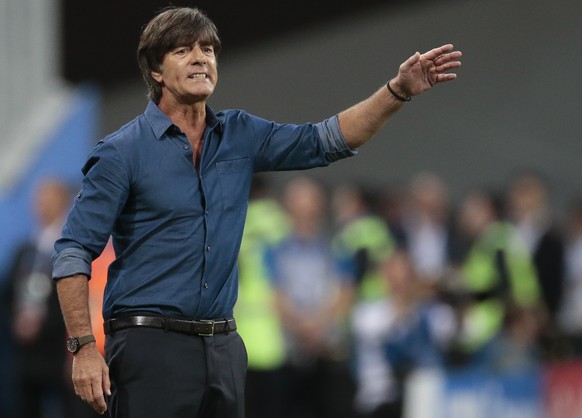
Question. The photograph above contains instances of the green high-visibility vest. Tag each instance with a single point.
(483, 274)
(257, 321)
(369, 234)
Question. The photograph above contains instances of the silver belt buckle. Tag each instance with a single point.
(211, 330)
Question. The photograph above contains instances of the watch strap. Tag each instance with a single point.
(86, 339)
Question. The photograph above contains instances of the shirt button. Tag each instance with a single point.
(208, 248)
(205, 285)
(186, 147)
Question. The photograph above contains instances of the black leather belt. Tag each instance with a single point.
(205, 328)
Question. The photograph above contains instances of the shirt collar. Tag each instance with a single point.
(160, 123)
(212, 120)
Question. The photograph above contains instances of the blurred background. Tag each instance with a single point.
(469, 180)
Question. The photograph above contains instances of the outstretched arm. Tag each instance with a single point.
(418, 73)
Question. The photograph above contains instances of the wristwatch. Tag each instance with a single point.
(74, 344)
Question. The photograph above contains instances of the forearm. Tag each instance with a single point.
(90, 372)
(73, 295)
(362, 121)
(417, 74)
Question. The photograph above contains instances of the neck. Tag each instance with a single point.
(185, 116)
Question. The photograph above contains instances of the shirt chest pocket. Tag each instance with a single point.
(234, 177)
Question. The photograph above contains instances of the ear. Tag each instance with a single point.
(157, 76)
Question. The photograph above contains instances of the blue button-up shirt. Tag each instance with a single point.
(177, 231)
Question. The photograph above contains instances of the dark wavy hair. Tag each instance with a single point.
(172, 27)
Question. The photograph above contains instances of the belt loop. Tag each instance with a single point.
(227, 326)
(165, 325)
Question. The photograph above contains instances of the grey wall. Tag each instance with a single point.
(516, 104)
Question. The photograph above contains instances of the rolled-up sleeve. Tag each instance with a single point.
(71, 261)
(334, 143)
(94, 212)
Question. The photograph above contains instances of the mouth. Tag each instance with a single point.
(198, 76)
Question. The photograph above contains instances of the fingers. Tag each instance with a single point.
(444, 63)
(406, 65)
(91, 379)
(106, 382)
(448, 66)
(83, 390)
(441, 78)
(422, 71)
(444, 58)
(91, 392)
(436, 52)
(98, 402)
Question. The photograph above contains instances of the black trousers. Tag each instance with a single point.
(162, 374)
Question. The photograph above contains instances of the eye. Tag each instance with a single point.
(181, 51)
(208, 49)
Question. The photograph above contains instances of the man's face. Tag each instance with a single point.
(189, 73)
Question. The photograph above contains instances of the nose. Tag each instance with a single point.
(198, 56)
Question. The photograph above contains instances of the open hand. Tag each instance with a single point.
(422, 71)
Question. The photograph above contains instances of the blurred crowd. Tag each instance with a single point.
(343, 293)
(35, 368)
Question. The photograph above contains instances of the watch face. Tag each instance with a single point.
(73, 345)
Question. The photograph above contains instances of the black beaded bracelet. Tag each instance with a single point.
(399, 97)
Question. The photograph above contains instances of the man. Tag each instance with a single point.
(498, 277)
(257, 321)
(313, 294)
(37, 326)
(531, 213)
(171, 187)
